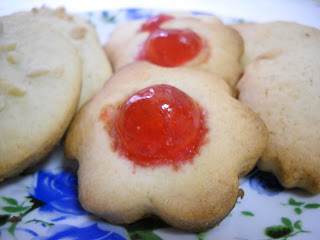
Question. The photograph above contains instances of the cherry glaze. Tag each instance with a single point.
(170, 47)
(159, 125)
(154, 22)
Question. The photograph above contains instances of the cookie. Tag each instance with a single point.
(179, 39)
(40, 84)
(282, 84)
(96, 68)
(262, 40)
(170, 142)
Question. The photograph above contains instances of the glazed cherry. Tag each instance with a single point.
(170, 47)
(159, 125)
(154, 22)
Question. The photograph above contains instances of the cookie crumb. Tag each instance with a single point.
(37, 73)
(240, 193)
(11, 88)
(13, 58)
(78, 33)
(8, 47)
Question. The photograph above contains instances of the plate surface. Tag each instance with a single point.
(43, 202)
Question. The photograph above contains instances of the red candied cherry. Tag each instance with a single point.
(159, 125)
(154, 22)
(170, 47)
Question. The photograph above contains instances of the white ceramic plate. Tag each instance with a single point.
(46, 199)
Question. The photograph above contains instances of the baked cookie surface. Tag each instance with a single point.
(219, 47)
(195, 196)
(270, 39)
(96, 68)
(40, 83)
(282, 84)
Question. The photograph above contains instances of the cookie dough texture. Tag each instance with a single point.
(222, 50)
(282, 84)
(40, 84)
(195, 197)
(96, 68)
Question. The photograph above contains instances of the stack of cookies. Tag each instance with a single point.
(192, 106)
(51, 64)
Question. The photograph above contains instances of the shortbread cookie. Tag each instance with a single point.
(282, 84)
(170, 142)
(179, 39)
(40, 84)
(269, 40)
(96, 68)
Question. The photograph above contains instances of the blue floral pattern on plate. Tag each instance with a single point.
(92, 232)
(58, 192)
(54, 195)
(45, 204)
(265, 183)
(138, 13)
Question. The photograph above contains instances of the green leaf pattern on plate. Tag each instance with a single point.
(247, 213)
(17, 210)
(299, 206)
(285, 231)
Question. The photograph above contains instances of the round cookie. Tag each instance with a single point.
(282, 84)
(195, 196)
(221, 49)
(40, 84)
(96, 68)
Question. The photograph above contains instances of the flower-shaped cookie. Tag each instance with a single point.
(170, 142)
(282, 84)
(179, 39)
